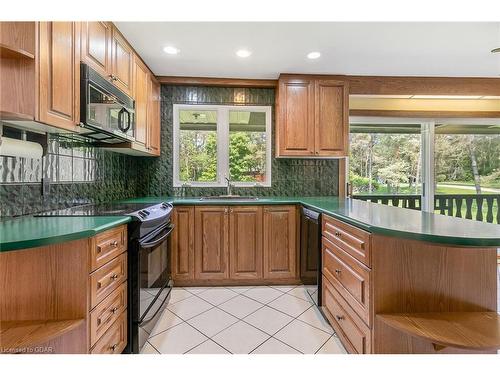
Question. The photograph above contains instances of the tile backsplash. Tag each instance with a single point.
(305, 177)
(78, 173)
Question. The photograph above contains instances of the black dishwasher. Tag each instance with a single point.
(310, 253)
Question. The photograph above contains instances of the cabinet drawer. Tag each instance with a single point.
(107, 278)
(353, 333)
(115, 338)
(349, 277)
(108, 245)
(351, 239)
(106, 313)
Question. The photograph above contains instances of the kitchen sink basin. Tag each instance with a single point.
(229, 197)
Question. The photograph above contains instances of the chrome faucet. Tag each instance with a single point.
(229, 186)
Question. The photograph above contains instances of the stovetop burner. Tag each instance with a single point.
(139, 211)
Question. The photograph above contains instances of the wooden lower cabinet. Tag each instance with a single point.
(280, 242)
(182, 243)
(353, 332)
(367, 277)
(54, 299)
(245, 242)
(114, 340)
(108, 292)
(211, 242)
(224, 245)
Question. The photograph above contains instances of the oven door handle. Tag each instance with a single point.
(143, 319)
(148, 245)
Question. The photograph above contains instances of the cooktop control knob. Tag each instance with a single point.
(165, 205)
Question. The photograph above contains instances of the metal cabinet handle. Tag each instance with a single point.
(338, 234)
(114, 243)
(114, 276)
(339, 317)
(114, 310)
(113, 347)
(337, 271)
(225, 210)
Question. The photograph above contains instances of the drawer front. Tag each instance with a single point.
(349, 327)
(107, 278)
(108, 245)
(351, 239)
(106, 313)
(349, 277)
(115, 338)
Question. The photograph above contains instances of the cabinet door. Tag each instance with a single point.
(331, 118)
(245, 242)
(280, 242)
(59, 74)
(154, 131)
(295, 130)
(141, 78)
(122, 62)
(183, 243)
(211, 242)
(96, 46)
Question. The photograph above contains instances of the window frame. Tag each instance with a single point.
(427, 143)
(222, 144)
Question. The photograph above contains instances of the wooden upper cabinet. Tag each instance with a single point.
(59, 74)
(295, 136)
(211, 242)
(245, 242)
(96, 46)
(141, 78)
(280, 242)
(154, 116)
(331, 118)
(313, 116)
(183, 243)
(122, 62)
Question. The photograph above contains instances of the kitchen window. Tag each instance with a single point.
(215, 142)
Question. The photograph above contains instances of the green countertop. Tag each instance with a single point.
(376, 218)
(28, 232)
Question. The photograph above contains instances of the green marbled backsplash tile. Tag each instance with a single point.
(304, 177)
(81, 173)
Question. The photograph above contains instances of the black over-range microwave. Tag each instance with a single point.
(107, 114)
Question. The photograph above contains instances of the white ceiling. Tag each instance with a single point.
(208, 49)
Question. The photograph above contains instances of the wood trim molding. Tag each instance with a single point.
(391, 85)
(342, 193)
(424, 114)
(412, 85)
(210, 81)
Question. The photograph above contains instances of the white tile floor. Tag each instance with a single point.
(242, 320)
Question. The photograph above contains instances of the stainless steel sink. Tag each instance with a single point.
(229, 197)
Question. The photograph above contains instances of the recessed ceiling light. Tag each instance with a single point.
(496, 50)
(243, 53)
(313, 55)
(171, 50)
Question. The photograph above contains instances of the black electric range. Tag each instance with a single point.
(149, 281)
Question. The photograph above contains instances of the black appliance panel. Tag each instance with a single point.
(310, 252)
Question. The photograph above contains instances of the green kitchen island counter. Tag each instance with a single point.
(372, 217)
(28, 232)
